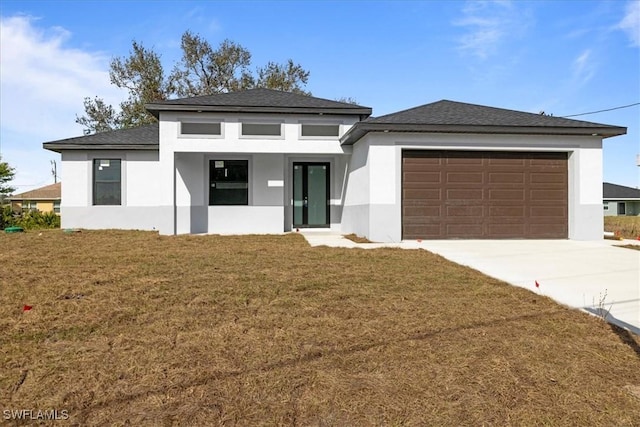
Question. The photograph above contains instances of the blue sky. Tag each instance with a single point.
(561, 57)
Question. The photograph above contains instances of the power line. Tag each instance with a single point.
(602, 111)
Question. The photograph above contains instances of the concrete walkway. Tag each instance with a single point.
(585, 275)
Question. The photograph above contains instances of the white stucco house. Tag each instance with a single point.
(264, 161)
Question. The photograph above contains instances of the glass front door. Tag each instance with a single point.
(311, 194)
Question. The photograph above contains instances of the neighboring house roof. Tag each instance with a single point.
(49, 192)
(259, 101)
(619, 192)
(140, 138)
(457, 117)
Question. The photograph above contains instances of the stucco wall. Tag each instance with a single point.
(377, 159)
(141, 192)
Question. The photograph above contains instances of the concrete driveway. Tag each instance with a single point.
(586, 275)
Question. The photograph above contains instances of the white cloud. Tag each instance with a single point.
(488, 24)
(43, 83)
(584, 67)
(630, 23)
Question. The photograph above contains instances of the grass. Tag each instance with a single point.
(627, 227)
(132, 328)
(634, 247)
(356, 239)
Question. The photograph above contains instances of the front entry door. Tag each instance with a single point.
(311, 194)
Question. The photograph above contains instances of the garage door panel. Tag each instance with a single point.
(548, 178)
(422, 211)
(463, 161)
(484, 194)
(464, 194)
(465, 177)
(508, 194)
(506, 161)
(468, 231)
(509, 178)
(548, 194)
(423, 178)
(425, 231)
(422, 194)
(468, 211)
(506, 211)
(547, 231)
(548, 211)
(506, 230)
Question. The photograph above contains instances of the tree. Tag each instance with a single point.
(6, 175)
(99, 117)
(142, 75)
(289, 77)
(202, 70)
(348, 100)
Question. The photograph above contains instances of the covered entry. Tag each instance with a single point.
(484, 195)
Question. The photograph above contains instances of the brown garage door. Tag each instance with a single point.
(483, 195)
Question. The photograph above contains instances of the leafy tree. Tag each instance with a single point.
(348, 100)
(202, 70)
(205, 71)
(99, 117)
(6, 175)
(288, 77)
(142, 75)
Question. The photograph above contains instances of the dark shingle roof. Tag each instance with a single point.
(459, 117)
(259, 101)
(48, 192)
(619, 192)
(140, 138)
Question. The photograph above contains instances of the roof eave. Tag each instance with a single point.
(360, 129)
(155, 109)
(16, 198)
(57, 147)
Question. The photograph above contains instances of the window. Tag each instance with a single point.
(29, 205)
(622, 208)
(200, 128)
(228, 182)
(261, 129)
(606, 206)
(107, 187)
(56, 206)
(320, 130)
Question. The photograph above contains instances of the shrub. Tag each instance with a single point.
(6, 217)
(29, 220)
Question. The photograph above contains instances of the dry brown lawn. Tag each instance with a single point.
(624, 226)
(131, 328)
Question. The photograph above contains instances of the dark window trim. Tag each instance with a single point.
(333, 125)
(211, 165)
(196, 122)
(261, 136)
(94, 182)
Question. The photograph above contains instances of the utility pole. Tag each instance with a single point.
(54, 171)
